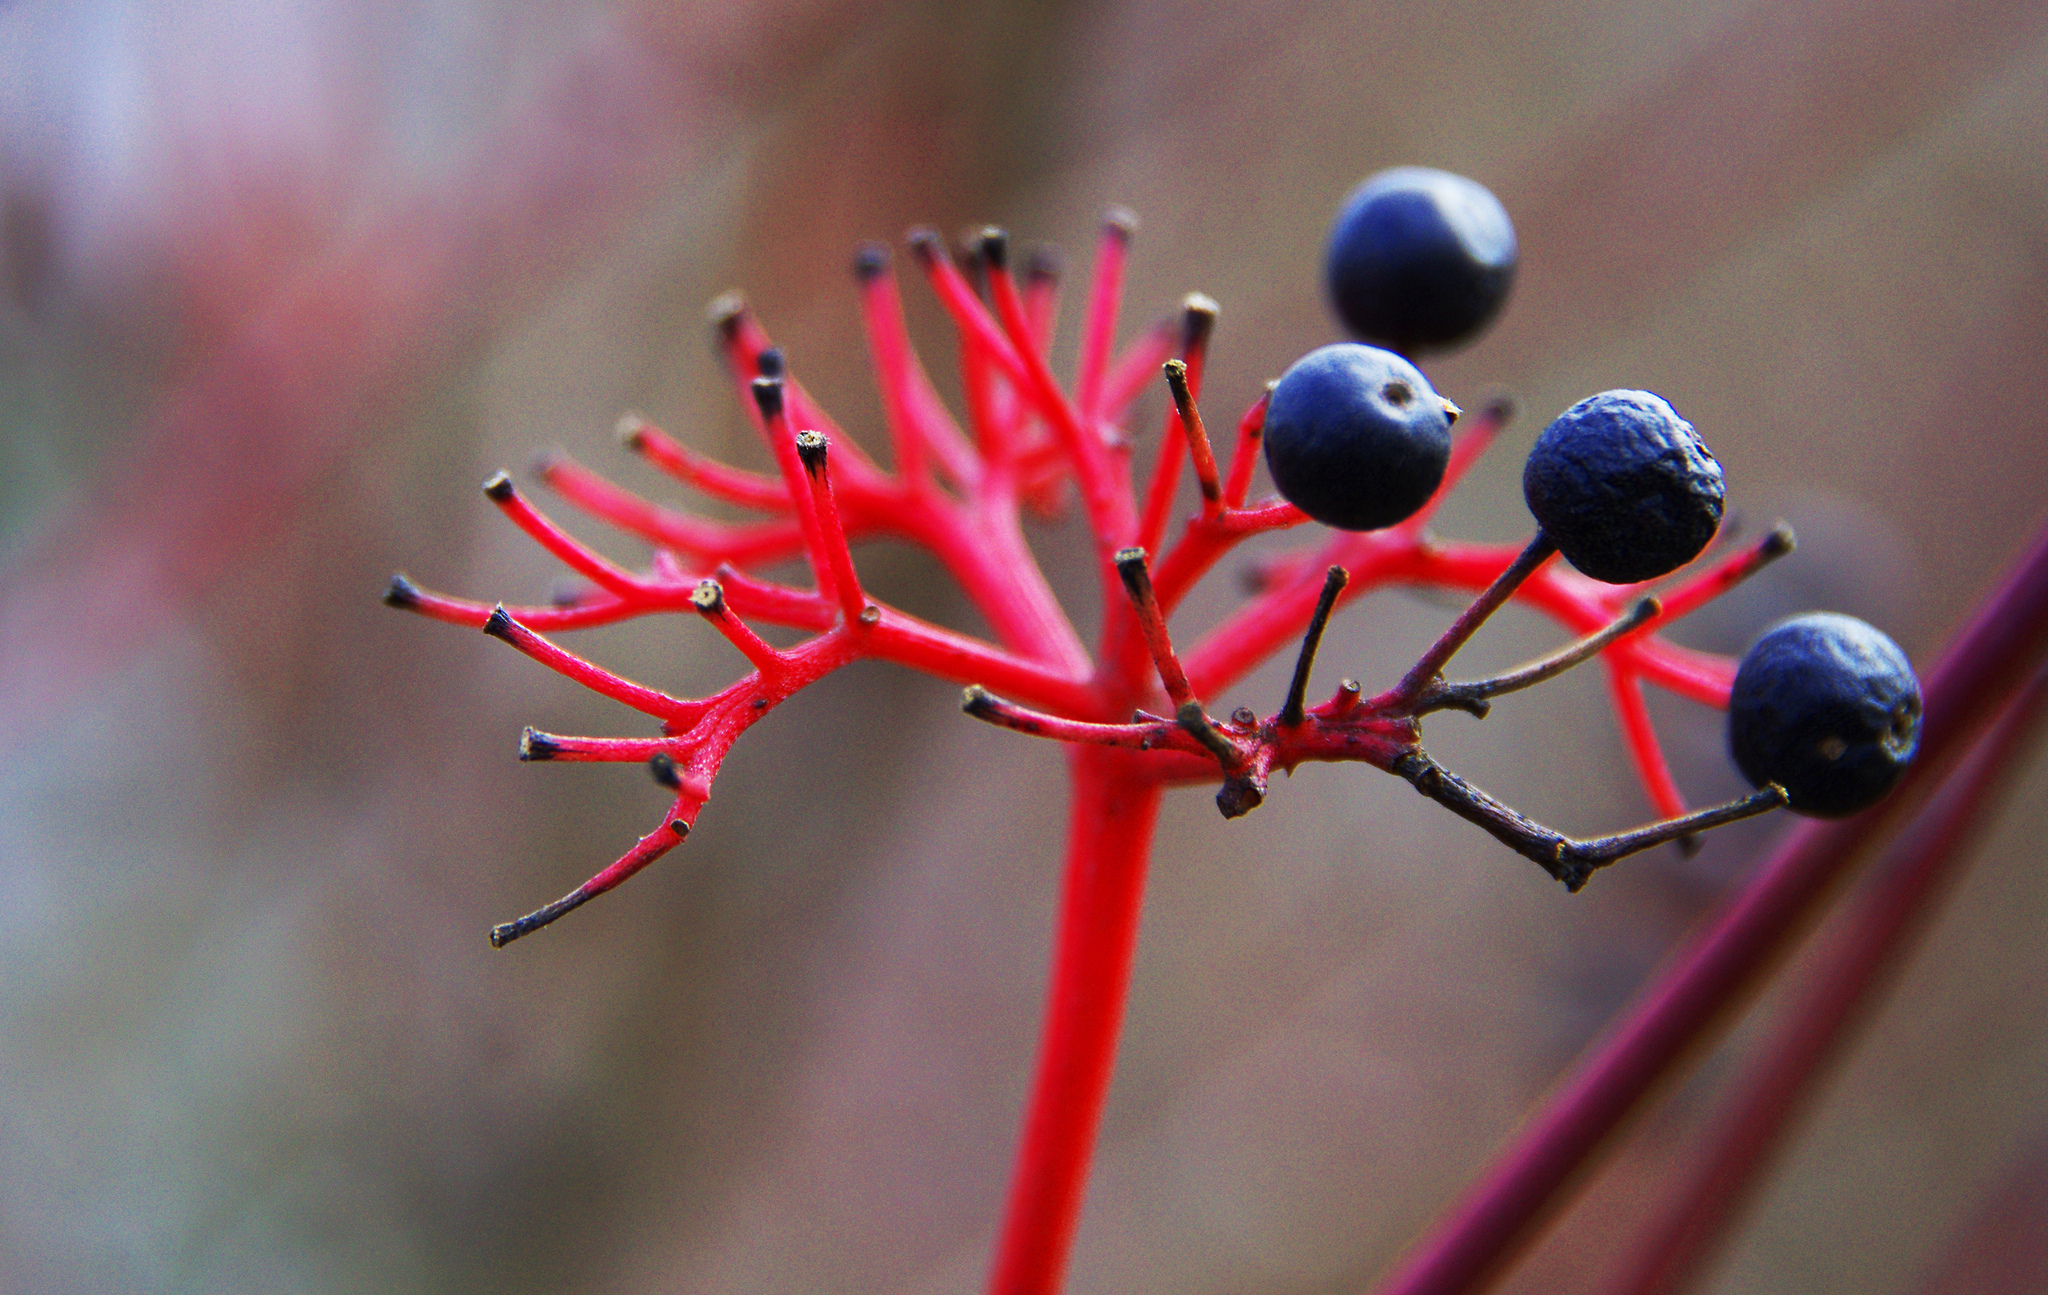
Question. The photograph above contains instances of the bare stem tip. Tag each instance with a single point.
(870, 262)
(1130, 564)
(926, 245)
(992, 244)
(725, 312)
(810, 447)
(506, 932)
(499, 623)
(662, 767)
(401, 592)
(1198, 313)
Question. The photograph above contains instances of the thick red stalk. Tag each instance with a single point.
(1880, 933)
(1713, 971)
(1109, 839)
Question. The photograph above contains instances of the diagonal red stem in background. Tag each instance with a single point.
(2004, 1248)
(1697, 1215)
(1526, 1182)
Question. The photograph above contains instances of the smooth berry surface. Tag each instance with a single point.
(1419, 259)
(1356, 438)
(1624, 486)
(1828, 708)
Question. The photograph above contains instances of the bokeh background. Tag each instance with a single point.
(279, 284)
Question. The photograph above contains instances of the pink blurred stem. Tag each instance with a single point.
(1705, 980)
(1109, 841)
(2004, 1249)
(1879, 933)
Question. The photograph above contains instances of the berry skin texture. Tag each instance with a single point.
(1356, 438)
(1624, 486)
(1419, 260)
(1828, 708)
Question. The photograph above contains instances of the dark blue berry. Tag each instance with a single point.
(1419, 260)
(1624, 486)
(1827, 708)
(1356, 438)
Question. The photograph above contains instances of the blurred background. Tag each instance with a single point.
(280, 284)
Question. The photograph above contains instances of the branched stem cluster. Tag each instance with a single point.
(1134, 714)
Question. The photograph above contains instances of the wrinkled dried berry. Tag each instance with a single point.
(1419, 260)
(1624, 486)
(1828, 708)
(1356, 438)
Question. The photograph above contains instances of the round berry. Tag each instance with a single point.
(1356, 438)
(1828, 708)
(1624, 486)
(1419, 260)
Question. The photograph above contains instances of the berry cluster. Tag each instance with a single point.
(1824, 711)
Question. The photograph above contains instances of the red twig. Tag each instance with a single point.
(1105, 296)
(1198, 320)
(735, 486)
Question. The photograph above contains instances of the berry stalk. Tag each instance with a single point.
(1109, 840)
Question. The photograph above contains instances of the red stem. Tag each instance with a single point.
(1105, 296)
(918, 421)
(1137, 368)
(1251, 432)
(1109, 838)
(1158, 511)
(1639, 737)
(733, 485)
(1527, 1180)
